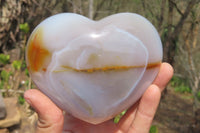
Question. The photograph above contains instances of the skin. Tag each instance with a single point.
(138, 118)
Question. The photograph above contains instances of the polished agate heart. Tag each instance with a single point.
(94, 69)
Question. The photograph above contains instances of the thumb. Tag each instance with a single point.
(50, 116)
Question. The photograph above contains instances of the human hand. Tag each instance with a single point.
(137, 119)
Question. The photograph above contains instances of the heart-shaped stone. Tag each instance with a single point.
(94, 69)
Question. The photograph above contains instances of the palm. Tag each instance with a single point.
(75, 125)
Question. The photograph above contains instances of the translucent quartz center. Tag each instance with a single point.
(100, 66)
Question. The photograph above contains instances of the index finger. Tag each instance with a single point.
(165, 74)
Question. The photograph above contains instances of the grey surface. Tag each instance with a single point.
(2, 108)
